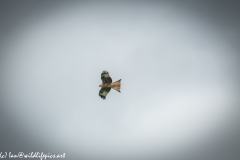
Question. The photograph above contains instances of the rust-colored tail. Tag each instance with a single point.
(116, 85)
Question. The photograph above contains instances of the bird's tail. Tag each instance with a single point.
(116, 85)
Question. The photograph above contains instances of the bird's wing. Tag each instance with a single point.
(106, 77)
(104, 91)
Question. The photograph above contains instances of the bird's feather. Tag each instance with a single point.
(106, 77)
(104, 91)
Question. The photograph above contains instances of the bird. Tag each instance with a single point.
(107, 85)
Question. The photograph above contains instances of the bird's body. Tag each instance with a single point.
(107, 85)
(115, 85)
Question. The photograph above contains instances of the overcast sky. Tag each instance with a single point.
(179, 65)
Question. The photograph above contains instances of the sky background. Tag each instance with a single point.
(179, 65)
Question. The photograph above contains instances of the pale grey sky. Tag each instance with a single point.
(179, 71)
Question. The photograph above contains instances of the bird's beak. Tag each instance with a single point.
(99, 85)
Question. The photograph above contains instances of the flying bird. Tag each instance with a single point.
(107, 85)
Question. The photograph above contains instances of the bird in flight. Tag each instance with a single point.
(107, 85)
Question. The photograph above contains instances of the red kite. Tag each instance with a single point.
(107, 85)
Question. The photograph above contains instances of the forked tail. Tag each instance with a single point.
(116, 85)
